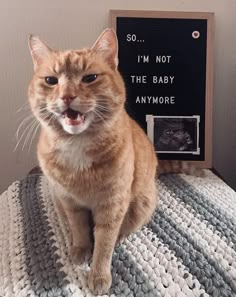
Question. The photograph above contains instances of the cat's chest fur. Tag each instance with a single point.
(73, 155)
(73, 172)
(63, 161)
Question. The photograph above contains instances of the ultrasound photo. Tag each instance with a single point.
(176, 134)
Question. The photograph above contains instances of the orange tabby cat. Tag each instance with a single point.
(98, 161)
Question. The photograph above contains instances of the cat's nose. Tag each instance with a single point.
(67, 99)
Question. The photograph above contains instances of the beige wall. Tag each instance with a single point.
(73, 24)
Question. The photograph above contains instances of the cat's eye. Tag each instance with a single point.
(51, 80)
(89, 78)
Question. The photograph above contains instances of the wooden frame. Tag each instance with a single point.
(207, 163)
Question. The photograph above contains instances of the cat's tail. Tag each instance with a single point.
(174, 166)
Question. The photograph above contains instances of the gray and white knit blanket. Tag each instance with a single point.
(188, 248)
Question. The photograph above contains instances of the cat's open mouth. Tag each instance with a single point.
(73, 117)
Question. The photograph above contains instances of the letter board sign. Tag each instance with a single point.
(166, 60)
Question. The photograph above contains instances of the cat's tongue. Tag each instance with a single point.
(73, 117)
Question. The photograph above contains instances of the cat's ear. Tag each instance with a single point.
(39, 50)
(107, 46)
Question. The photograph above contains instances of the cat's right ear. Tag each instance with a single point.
(107, 46)
(39, 51)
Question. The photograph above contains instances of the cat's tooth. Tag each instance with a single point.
(80, 117)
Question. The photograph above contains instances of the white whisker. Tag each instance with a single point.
(101, 117)
(22, 123)
(18, 142)
(52, 116)
(23, 106)
(29, 133)
(103, 108)
(34, 134)
(22, 116)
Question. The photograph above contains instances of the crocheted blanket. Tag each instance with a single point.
(188, 248)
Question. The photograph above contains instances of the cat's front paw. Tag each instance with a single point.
(99, 283)
(79, 255)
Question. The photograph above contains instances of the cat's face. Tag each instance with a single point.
(76, 91)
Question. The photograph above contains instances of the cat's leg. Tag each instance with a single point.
(107, 220)
(61, 209)
(79, 220)
(140, 211)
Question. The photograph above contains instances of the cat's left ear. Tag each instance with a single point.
(107, 46)
(39, 51)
